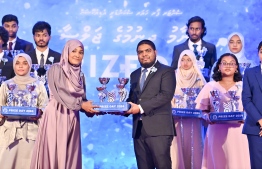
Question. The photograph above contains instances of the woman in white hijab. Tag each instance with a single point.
(189, 139)
(236, 45)
(17, 137)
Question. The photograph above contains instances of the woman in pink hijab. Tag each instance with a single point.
(58, 142)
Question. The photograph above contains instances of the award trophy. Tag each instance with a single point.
(230, 113)
(13, 53)
(2, 78)
(216, 99)
(20, 100)
(30, 88)
(232, 94)
(42, 78)
(201, 63)
(32, 74)
(107, 98)
(122, 91)
(243, 67)
(20, 106)
(10, 96)
(236, 98)
(178, 100)
(35, 67)
(101, 93)
(189, 97)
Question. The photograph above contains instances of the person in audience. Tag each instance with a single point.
(42, 54)
(58, 142)
(251, 98)
(225, 146)
(17, 136)
(189, 130)
(10, 23)
(196, 30)
(236, 46)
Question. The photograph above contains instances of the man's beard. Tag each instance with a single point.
(13, 35)
(195, 39)
(148, 65)
(43, 45)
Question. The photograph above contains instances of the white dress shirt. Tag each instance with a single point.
(38, 55)
(147, 73)
(191, 47)
(13, 45)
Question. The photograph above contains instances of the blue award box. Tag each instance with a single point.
(225, 117)
(190, 113)
(19, 112)
(112, 106)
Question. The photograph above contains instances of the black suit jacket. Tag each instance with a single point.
(21, 44)
(51, 53)
(155, 100)
(7, 68)
(210, 57)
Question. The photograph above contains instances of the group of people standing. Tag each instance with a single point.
(222, 145)
(52, 139)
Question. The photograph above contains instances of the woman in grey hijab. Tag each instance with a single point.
(58, 142)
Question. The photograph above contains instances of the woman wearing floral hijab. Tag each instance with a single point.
(58, 142)
(17, 137)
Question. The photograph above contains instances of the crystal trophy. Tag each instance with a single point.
(243, 67)
(230, 113)
(216, 99)
(189, 98)
(20, 104)
(201, 62)
(108, 101)
(10, 96)
(190, 95)
(30, 87)
(2, 78)
(178, 100)
(122, 91)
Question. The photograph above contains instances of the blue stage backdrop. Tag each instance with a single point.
(110, 31)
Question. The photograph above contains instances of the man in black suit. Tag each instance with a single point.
(196, 30)
(151, 90)
(43, 54)
(10, 23)
(6, 62)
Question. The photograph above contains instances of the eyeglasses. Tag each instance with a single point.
(228, 64)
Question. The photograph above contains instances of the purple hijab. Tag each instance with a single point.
(62, 73)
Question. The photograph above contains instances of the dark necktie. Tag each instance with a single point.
(143, 79)
(42, 61)
(10, 46)
(195, 49)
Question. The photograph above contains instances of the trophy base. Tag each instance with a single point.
(189, 113)
(112, 106)
(17, 112)
(226, 117)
